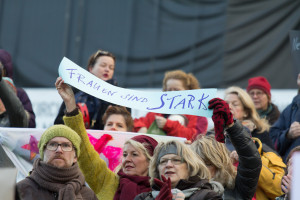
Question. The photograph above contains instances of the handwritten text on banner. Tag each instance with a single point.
(192, 102)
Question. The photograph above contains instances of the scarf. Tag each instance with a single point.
(264, 113)
(187, 193)
(131, 186)
(67, 182)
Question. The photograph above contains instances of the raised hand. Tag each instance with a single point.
(66, 93)
(222, 117)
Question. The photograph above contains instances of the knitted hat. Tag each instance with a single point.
(59, 131)
(148, 142)
(261, 83)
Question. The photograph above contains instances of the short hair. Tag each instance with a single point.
(189, 81)
(249, 107)
(217, 154)
(119, 110)
(195, 164)
(93, 58)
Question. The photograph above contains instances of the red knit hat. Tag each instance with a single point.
(148, 142)
(261, 83)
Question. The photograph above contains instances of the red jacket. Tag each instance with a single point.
(172, 128)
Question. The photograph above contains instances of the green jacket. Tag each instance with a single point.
(100, 178)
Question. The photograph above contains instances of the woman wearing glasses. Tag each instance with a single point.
(178, 173)
(102, 65)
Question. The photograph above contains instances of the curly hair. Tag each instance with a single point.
(189, 81)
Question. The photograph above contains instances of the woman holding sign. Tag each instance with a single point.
(102, 65)
(132, 178)
(186, 126)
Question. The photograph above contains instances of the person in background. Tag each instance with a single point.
(177, 170)
(12, 112)
(56, 175)
(102, 65)
(7, 71)
(259, 90)
(117, 118)
(132, 177)
(243, 109)
(285, 133)
(175, 81)
(287, 179)
(238, 184)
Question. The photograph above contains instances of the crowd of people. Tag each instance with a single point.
(248, 154)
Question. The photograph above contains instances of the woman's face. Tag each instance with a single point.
(115, 122)
(236, 106)
(134, 162)
(260, 99)
(212, 169)
(174, 85)
(171, 166)
(103, 68)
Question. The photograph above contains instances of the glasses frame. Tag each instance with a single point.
(172, 161)
(62, 148)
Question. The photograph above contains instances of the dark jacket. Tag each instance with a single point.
(15, 115)
(279, 130)
(264, 137)
(28, 189)
(205, 191)
(6, 60)
(249, 167)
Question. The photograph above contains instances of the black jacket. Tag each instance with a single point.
(249, 167)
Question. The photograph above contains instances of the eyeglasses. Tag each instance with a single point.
(52, 146)
(174, 161)
(258, 94)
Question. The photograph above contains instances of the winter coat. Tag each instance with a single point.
(171, 128)
(15, 115)
(29, 189)
(99, 177)
(279, 130)
(205, 190)
(249, 167)
(6, 60)
(264, 137)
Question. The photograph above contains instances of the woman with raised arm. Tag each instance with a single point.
(132, 178)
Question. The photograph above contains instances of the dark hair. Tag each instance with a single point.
(119, 110)
(95, 56)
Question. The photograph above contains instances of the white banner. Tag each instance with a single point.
(20, 145)
(192, 102)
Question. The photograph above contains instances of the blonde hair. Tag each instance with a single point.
(249, 107)
(217, 154)
(139, 147)
(195, 164)
(189, 81)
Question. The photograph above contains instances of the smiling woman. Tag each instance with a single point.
(186, 173)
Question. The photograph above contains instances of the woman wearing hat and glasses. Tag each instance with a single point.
(132, 177)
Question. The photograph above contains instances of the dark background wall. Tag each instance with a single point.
(223, 42)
